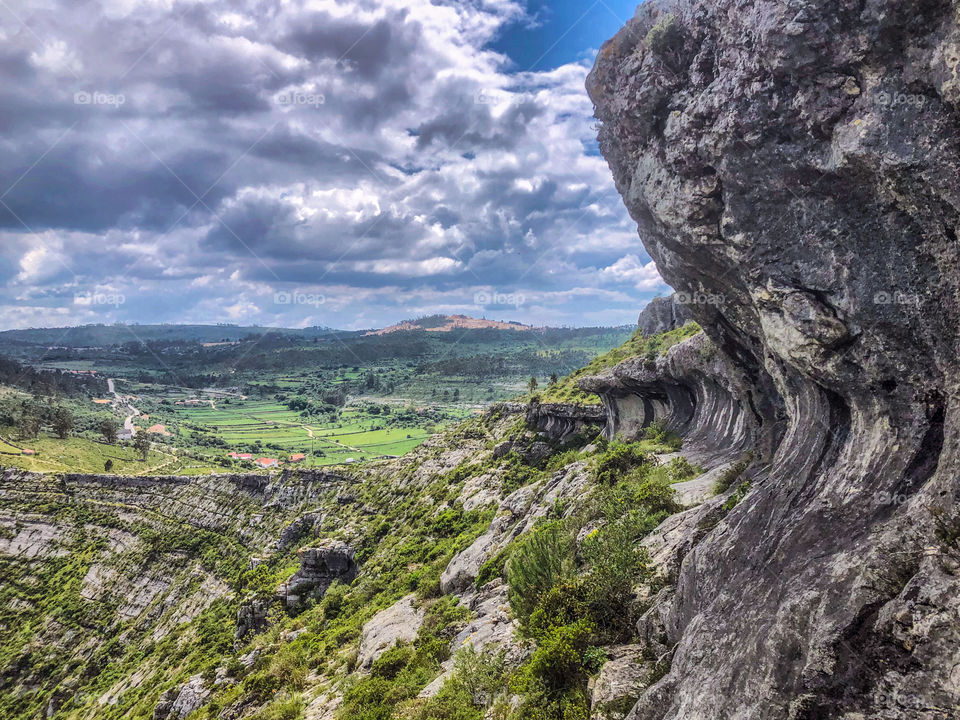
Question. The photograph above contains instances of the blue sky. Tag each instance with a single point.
(347, 163)
(555, 33)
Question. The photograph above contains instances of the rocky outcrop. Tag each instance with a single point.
(518, 513)
(320, 566)
(180, 702)
(252, 617)
(562, 421)
(663, 314)
(691, 390)
(399, 623)
(793, 169)
(620, 682)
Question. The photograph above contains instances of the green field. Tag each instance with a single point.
(263, 427)
(83, 455)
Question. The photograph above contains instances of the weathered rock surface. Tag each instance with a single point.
(180, 702)
(398, 623)
(621, 679)
(662, 314)
(561, 421)
(517, 514)
(693, 390)
(491, 628)
(795, 166)
(252, 617)
(320, 566)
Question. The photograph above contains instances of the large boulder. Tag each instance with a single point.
(180, 702)
(663, 314)
(794, 170)
(399, 623)
(320, 566)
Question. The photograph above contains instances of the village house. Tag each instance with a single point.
(267, 463)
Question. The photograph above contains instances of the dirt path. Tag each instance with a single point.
(128, 427)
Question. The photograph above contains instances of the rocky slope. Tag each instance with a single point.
(792, 167)
(382, 593)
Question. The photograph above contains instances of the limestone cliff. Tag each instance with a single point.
(793, 168)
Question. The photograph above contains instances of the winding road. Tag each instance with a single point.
(128, 427)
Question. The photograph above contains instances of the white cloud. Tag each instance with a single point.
(404, 175)
(629, 268)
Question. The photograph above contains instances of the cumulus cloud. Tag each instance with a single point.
(200, 157)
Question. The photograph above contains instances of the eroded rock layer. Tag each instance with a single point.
(793, 169)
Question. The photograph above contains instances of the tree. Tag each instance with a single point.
(108, 428)
(554, 379)
(533, 384)
(141, 441)
(108, 466)
(62, 422)
(29, 420)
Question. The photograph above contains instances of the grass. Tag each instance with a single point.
(568, 391)
(82, 455)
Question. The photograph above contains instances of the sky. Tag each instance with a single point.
(342, 163)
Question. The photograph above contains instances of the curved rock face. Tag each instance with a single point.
(793, 168)
(561, 421)
(693, 390)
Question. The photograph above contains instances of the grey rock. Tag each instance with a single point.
(399, 623)
(621, 680)
(297, 529)
(179, 703)
(793, 168)
(502, 449)
(252, 616)
(517, 514)
(663, 314)
(320, 566)
(561, 421)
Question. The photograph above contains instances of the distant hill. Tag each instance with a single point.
(449, 323)
(109, 335)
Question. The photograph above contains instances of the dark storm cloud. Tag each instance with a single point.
(216, 152)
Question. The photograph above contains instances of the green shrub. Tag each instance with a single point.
(563, 604)
(333, 600)
(557, 663)
(681, 469)
(657, 433)
(391, 662)
(540, 560)
(732, 474)
(493, 568)
(665, 39)
(618, 461)
(737, 496)
(289, 708)
(481, 674)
